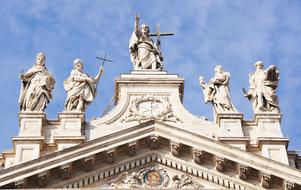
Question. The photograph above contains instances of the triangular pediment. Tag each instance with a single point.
(149, 142)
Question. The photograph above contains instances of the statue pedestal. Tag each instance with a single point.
(29, 142)
(231, 131)
(269, 136)
(230, 123)
(31, 123)
(268, 124)
(70, 131)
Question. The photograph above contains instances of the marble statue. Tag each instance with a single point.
(80, 87)
(262, 91)
(216, 90)
(143, 51)
(37, 85)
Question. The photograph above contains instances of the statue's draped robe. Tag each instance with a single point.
(263, 84)
(143, 52)
(36, 89)
(217, 92)
(79, 87)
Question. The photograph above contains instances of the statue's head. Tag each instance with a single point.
(78, 64)
(259, 64)
(145, 29)
(40, 59)
(218, 69)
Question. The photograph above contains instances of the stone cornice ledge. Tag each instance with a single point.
(141, 131)
(266, 115)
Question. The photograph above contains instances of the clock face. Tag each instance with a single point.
(150, 107)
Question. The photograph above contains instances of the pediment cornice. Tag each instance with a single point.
(189, 146)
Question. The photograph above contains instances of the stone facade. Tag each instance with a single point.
(150, 140)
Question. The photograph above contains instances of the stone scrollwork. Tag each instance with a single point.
(126, 180)
(184, 182)
(148, 108)
(150, 177)
(153, 177)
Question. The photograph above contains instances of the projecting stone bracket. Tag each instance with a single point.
(154, 142)
(198, 156)
(175, 148)
(42, 178)
(111, 155)
(20, 184)
(266, 180)
(243, 172)
(66, 170)
(132, 148)
(219, 163)
(289, 185)
(88, 162)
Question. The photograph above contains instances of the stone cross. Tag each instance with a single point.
(158, 34)
(104, 59)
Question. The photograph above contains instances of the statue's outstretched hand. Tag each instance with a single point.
(137, 17)
(101, 70)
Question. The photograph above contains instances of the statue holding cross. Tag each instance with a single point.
(145, 54)
(80, 87)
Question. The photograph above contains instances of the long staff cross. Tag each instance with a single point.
(104, 59)
(158, 34)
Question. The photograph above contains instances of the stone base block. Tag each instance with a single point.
(71, 123)
(31, 123)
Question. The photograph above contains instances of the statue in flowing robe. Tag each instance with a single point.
(216, 90)
(143, 51)
(37, 85)
(80, 87)
(262, 91)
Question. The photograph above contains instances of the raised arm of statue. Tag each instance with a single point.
(80, 87)
(100, 71)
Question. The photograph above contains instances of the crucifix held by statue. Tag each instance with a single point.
(144, 53)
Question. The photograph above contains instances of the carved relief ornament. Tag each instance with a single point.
(153, 177)
(148, 108)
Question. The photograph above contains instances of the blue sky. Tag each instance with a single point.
(234, 34)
